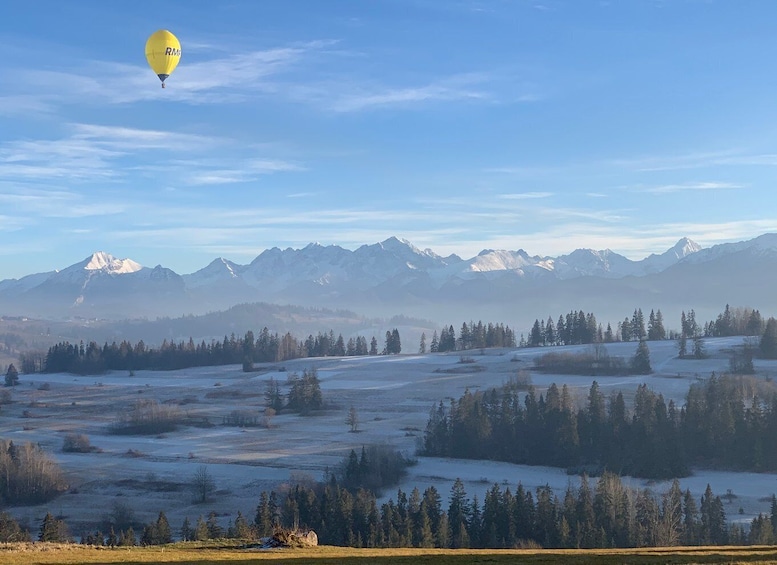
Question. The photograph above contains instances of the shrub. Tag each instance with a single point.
(76, 443)
(147, 417)
(241, 418)
(580, 364)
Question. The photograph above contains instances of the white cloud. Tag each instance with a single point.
(24, 105)
(458, 87)
(96, 153)
(125, 138)
(299, 71)
(32, 203)
(525, 195)
(695, 160)
(689, 186)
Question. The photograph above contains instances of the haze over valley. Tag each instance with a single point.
(394, 277)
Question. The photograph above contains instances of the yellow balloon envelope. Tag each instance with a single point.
(163, 52)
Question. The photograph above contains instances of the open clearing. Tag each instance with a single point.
(392, 395)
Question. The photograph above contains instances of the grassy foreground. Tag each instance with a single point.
(204, 554)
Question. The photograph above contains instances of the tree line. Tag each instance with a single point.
(91, 358)
(578, 327)
(601, 514)
(727, 422)
(472, 336)
(266, 347)
(343, 510)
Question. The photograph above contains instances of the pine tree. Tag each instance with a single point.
(396, 342)
(273, 395)
(52, 529)
(263, 520)
(768, 343)
(186, 530)
(638, 325)
(698, 348)
(713, 520)
(682, 345)
(201, 530)
(215, 531)
(626, 330)
(659, 330)
(457, 515)
(163, 533)
(241, 528)
(761, 532)
(640, 363)
(535, 337)
(422, 346)
(425, 532)
(435, 345)
(444, 532)
(127, 538)
(11, 376)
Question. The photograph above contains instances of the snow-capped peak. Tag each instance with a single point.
(500, 260)
(102, 261)
(684, 247)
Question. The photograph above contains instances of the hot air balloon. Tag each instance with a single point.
(163, 52)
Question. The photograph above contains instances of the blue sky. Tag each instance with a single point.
(460, 125)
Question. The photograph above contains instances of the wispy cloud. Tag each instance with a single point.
(25, 105)
(34, 204)
(133, 139)
(525, 195)
(240, 171)
(360, 97)
(302, 72)
(689, 186)
(518, 170)
(695, 160)
(96, 153)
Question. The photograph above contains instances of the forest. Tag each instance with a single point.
(606, 514)
(727, 422)
(266, 347)
(92, 358)
(576, 327)
(601, 514)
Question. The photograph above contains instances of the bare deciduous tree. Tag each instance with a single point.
(269, 413)
(352, 419)
(203, 483)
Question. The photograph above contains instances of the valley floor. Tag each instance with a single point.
(392, 395)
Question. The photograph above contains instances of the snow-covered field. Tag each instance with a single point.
(392, 396)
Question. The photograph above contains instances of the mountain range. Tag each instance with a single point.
(395, 277)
